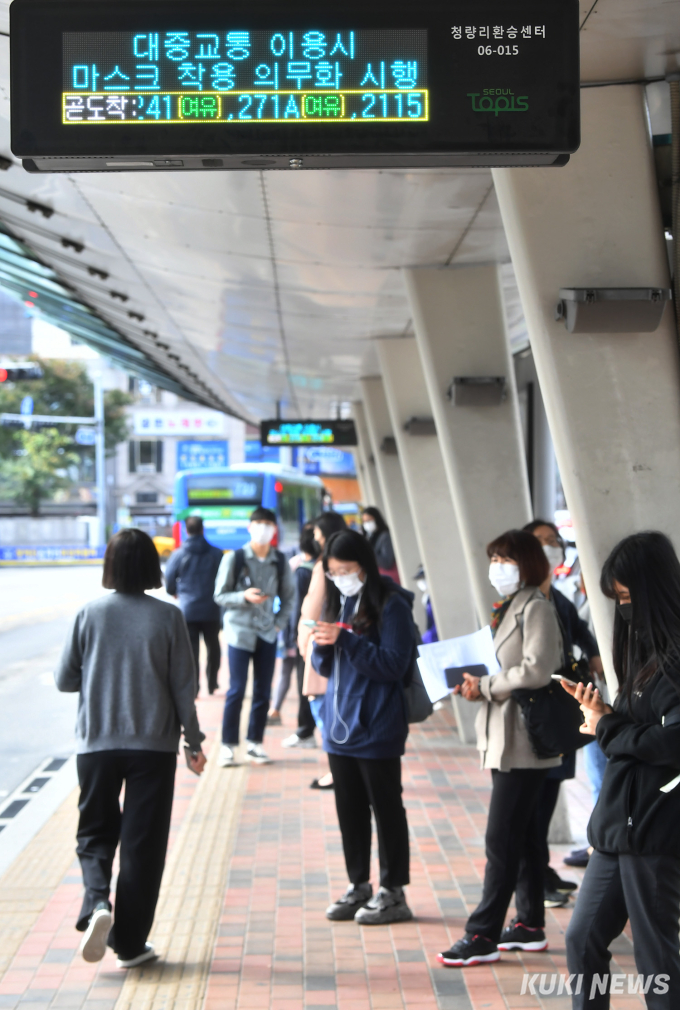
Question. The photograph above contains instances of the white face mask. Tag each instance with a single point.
(504, 577)
(347, 585)
(555, 556)
(370, 526)
(262, 533)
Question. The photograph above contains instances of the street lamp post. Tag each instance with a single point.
(100, 458)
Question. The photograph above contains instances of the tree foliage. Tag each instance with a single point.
(34, 463)
(38, 468)
(65, 389)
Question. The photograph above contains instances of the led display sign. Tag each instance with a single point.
(144, 84)
(308, 432)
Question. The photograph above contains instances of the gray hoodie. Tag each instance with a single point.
(130, 658)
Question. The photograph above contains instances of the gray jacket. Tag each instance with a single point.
(130, 658)
(245, 622)
(528, 645)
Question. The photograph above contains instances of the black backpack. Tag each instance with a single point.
(240, 564)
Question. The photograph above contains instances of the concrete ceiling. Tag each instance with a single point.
(272, 286)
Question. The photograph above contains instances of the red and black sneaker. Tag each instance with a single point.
(517, 936)
(471, 949)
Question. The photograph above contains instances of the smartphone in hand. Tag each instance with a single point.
(559, 677)
(189, 754)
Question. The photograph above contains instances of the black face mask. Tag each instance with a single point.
(625, 610)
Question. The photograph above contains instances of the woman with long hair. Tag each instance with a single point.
(365, 645)
(378, 535)
(529, 649)
(634, 871)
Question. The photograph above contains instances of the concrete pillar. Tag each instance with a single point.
(427, 489)
(369, 475)
(395, 499)
(612, 399)
(460, 330)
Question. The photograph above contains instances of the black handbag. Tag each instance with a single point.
(551, 716)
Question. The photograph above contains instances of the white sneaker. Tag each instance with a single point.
(295, 741)
(226, 757)
(148, 954)
(257, 754)
(93, 944)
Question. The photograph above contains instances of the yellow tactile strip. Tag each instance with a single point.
(191, 897)
(29, 883)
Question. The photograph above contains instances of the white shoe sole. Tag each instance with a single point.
(300, 745)
(93, 944)
(227, 764)
(258, 760)
(148, 955)
(530, 945)
(468, 962)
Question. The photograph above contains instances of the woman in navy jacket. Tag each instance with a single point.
(365, 646)
(634, 872)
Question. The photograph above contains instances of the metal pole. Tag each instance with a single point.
(100, 459)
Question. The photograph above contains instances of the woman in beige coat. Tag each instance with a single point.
(528, 645)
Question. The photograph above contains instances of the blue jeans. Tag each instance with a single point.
(316, 705)
(595, 762)
(264, 658)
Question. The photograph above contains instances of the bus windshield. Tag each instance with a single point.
(224, 489)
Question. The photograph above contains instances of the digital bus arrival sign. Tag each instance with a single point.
(149, 85)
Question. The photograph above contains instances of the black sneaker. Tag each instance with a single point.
(577, 857)
(555, 899)
(389, 905)
(346, 907)
(517, 936)
(471, 949)
(553, 882)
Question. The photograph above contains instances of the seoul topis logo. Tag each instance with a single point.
(498, 100)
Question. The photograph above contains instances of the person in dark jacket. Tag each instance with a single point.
(190, 575)
(634, 871)
(378, 534)
(365, 645)
(575, 631)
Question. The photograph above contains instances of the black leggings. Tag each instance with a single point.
(362, 785)
(141, 828)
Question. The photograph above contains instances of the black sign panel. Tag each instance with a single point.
(308, 433)
(169, 85)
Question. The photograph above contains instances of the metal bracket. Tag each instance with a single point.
(477, 390)
(612, 310)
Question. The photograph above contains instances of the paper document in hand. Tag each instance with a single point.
(466, 650)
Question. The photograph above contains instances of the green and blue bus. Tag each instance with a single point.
(224, 497)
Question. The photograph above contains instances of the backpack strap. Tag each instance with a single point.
(280, 563)
(239, 564)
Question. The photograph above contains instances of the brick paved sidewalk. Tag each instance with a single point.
(254, 878)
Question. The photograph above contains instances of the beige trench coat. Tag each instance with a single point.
(528, 645)
(312, 606)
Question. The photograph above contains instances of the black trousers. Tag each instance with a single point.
(646, 890)
(211, 636)
(547, 801)
(362, 785)
(142, 829)
(513, 854)
(306, 724)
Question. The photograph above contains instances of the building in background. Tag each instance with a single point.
(167, 434)
(15, 326)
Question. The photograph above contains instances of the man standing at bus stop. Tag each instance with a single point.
(248, 582)
(190, 575)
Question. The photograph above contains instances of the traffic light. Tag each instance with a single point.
(19, 371)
